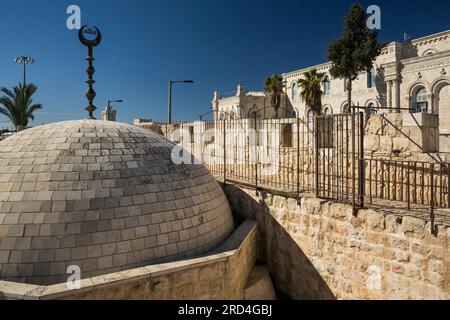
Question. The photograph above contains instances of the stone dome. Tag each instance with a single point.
(103, 196)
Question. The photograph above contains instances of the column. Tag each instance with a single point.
(389, 96)
(396, 96)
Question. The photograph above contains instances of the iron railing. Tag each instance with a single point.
(323, 156)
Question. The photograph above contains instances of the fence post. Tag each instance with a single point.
(353, 161)
(225, 151)
(447, 166)
(316, 149)
(433, 230)
(362, 171)
(298, 160)
(408, 186)
(256, 153)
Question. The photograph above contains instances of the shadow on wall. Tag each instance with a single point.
(293, 273)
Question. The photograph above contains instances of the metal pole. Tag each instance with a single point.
(256, 156)
(24, 74)
(353, 162)
(433, 230)
(224, 152)
(170, 102)
(298, 160)
(316, 123)
(362, 171)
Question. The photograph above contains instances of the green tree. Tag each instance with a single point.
(311, 90)
(275, 85)
(356, 50)
(18, 104)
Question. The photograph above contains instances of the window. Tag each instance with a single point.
(253, 115)
(420, 101)
(345, 84)
(371, 110)
(346, 109)
(325, 132)
(326, 86)
(191, 134)
(294, 91)
(327, 110)
(286, 138)
(310, 116)
(371, 78)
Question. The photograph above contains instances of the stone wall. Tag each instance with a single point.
(319, 250)
(418, 135)
(221, 275)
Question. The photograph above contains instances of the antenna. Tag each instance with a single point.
(406, 37)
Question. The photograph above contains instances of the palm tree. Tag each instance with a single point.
(311, 86)
(18, 105)
(275, 85)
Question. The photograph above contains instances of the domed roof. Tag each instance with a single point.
(103, 196)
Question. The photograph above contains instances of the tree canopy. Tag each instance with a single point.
(357, 48)
(18, 104)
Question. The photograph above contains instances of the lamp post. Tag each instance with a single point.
(109, 114)
(170, 95)
(24, 60)
(111, 101)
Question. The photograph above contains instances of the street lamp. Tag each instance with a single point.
(111, 101)
(24, 60)
(170, 95)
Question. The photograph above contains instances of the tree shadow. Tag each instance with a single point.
(293, 272)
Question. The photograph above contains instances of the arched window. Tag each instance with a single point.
(371, 110)
(371, 78)
(294, 91)
(310, 116)
(327, 110)
(326, 86)
(420, 102)
(253, 115)
(346, 109)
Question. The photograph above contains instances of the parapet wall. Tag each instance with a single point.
(320, 250)
(221, 275)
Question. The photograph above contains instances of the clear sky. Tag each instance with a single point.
(216, 43)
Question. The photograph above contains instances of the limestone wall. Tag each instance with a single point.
(418, 134)
(221, 275)
(319, 250)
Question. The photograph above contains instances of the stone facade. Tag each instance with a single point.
(246, 105)
(320, 250)
(413, 76)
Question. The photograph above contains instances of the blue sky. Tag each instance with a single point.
(217, 43)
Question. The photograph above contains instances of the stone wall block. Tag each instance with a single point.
(341, 212)
(413, 227)
(375, 221)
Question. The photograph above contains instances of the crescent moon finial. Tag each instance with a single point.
(90, 43)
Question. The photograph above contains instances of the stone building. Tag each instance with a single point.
(407, 78)
(245, 105)
(109, 114)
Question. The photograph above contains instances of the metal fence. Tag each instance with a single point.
(323, 156)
